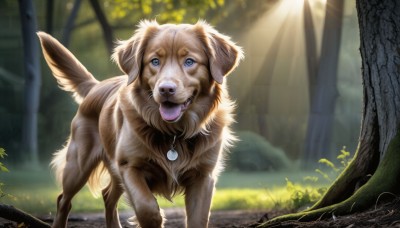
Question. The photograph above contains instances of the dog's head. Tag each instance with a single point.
(178, 64)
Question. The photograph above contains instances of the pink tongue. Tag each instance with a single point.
(170, 112)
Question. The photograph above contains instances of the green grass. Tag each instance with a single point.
(36, 192)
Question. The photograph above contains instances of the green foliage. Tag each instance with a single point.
(166, 10)
(302, 196)
(344, 158)
(333, 171)
(3, 168)
(254, 153)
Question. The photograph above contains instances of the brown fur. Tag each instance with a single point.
(121, 128)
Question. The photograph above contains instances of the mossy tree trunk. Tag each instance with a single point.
(375, 169)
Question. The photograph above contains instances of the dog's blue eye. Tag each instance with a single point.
(155, 62)
(189, 62)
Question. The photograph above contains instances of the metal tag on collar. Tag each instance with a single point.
(172, 154)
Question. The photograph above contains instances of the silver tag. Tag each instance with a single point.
(172, 155)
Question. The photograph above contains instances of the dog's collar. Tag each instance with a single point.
(172, 154)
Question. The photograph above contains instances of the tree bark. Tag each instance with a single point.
(379, 32)
(379, 140)
(381, 92)
(32, 79)
(324, 93)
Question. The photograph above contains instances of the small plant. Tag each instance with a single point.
(3, 168)
(343, 158)
(302, 196)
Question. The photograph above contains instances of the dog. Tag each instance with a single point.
(162, 128)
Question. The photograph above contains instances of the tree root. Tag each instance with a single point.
(385, 179)
(13, 214)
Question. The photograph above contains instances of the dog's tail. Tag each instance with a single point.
(71, 75)
(98, 179)
(58, 163)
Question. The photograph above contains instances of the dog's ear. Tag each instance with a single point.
(224, 55)
(128, 54)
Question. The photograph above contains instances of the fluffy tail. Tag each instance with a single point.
(71, 75)
(98, 179)
(58, 163)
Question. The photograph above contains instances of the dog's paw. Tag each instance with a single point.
(133, 221)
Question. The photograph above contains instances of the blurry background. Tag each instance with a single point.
(298, 90)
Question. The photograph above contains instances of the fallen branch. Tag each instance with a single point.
(16, 215)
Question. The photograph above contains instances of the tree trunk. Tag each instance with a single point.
(49, 16)
(311, 49)
(105, 26)
(379, 139)
(380, 52)
(32, 79)
(323, 100)
(380, 121)
(70, 23)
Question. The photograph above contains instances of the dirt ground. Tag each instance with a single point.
(387, 215)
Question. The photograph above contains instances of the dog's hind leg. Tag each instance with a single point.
(83, 155)
(111, 195)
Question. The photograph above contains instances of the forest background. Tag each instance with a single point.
(280, 125)
(271, 86)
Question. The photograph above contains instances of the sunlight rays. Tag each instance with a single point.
(275, 67)
(285, 15)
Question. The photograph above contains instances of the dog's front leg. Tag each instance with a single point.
(142, 199)
(198, 202)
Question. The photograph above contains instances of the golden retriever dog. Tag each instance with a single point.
(160, 129)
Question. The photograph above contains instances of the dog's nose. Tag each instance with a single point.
(167, 88)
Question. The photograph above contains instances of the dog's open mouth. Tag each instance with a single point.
(172, 112)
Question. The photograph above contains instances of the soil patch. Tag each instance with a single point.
(387, 215)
